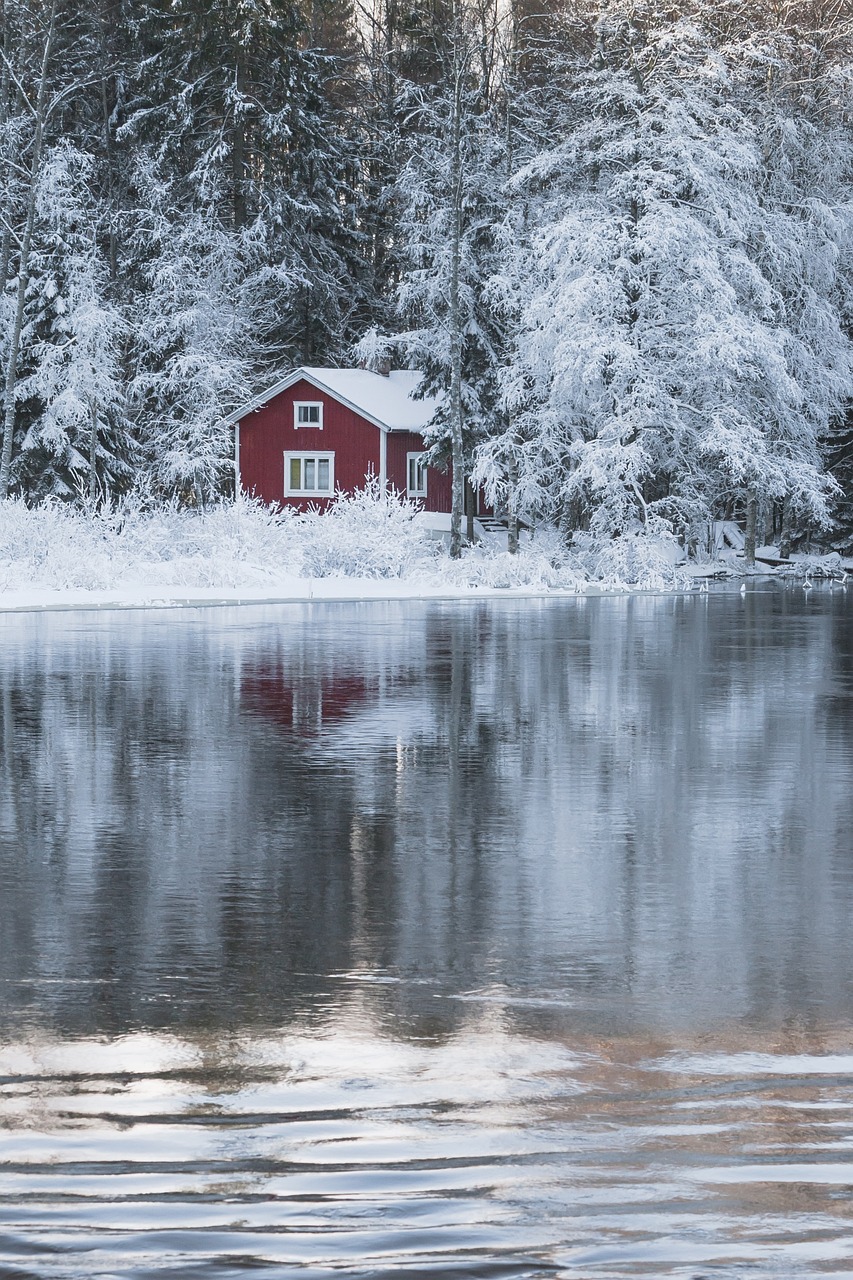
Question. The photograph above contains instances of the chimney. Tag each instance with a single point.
(374, 351)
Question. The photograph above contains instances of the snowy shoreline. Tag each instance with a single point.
(322, 591)
(56, 557)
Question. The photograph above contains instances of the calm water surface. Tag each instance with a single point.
(487, 940)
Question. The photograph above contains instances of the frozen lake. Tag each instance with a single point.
(451, 940)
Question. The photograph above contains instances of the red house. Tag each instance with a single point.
(321, 430)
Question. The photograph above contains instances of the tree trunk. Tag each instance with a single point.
(93, 456)
(238, 150)
(469, 512)
(512, 510)
(771, 520)
(751, 522)
(457, 501)
(108, 150)
(24, 267)
(512, 469)
(784, 531)
(5, 86)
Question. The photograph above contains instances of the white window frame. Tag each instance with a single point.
(307, 404)
(309, 456)
(422, 466)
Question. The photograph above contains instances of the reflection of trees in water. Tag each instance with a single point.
(629, 800)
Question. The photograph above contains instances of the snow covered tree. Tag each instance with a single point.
(250, 120)
(27, 58)
(79, 438)
(316, 205)
(659, 373)
(448, 194)
(50, 70)
(793, 71)
(194, 346)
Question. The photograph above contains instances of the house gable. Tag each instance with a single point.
(388, 401)
(290, 458)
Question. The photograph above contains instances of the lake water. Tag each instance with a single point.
(470, 939)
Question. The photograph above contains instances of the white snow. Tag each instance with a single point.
(366, 546)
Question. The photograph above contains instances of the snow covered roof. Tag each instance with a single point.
(385, 401)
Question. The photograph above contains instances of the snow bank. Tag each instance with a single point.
(651, 562)
(134, 551)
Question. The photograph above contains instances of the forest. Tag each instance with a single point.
(617, 235)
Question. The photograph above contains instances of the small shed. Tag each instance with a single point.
(318, 431)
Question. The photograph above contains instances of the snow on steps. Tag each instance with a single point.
(726, 533)
(489, 530)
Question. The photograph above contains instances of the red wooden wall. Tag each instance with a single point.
(438, 494)
(267, 433)
(401, 443)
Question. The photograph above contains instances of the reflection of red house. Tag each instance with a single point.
(321, 430)
(304, 703)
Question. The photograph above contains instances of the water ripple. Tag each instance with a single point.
(575, 1166)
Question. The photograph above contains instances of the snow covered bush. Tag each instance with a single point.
(633, 561)
(139, 547)
(542, 564)
(648, 561)
(51, 546)
(228, 545)
(134, 543)
(56, 546)
(367, 534)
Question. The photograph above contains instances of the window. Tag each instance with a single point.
(417, 475)
(308, 414)
(311, 475)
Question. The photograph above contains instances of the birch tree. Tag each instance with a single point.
(527, 51)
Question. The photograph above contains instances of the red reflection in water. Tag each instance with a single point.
(305, 702)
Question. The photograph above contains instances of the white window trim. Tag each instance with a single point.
(311, 455)
(383, 460)
(307, 404)
(416, 493)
